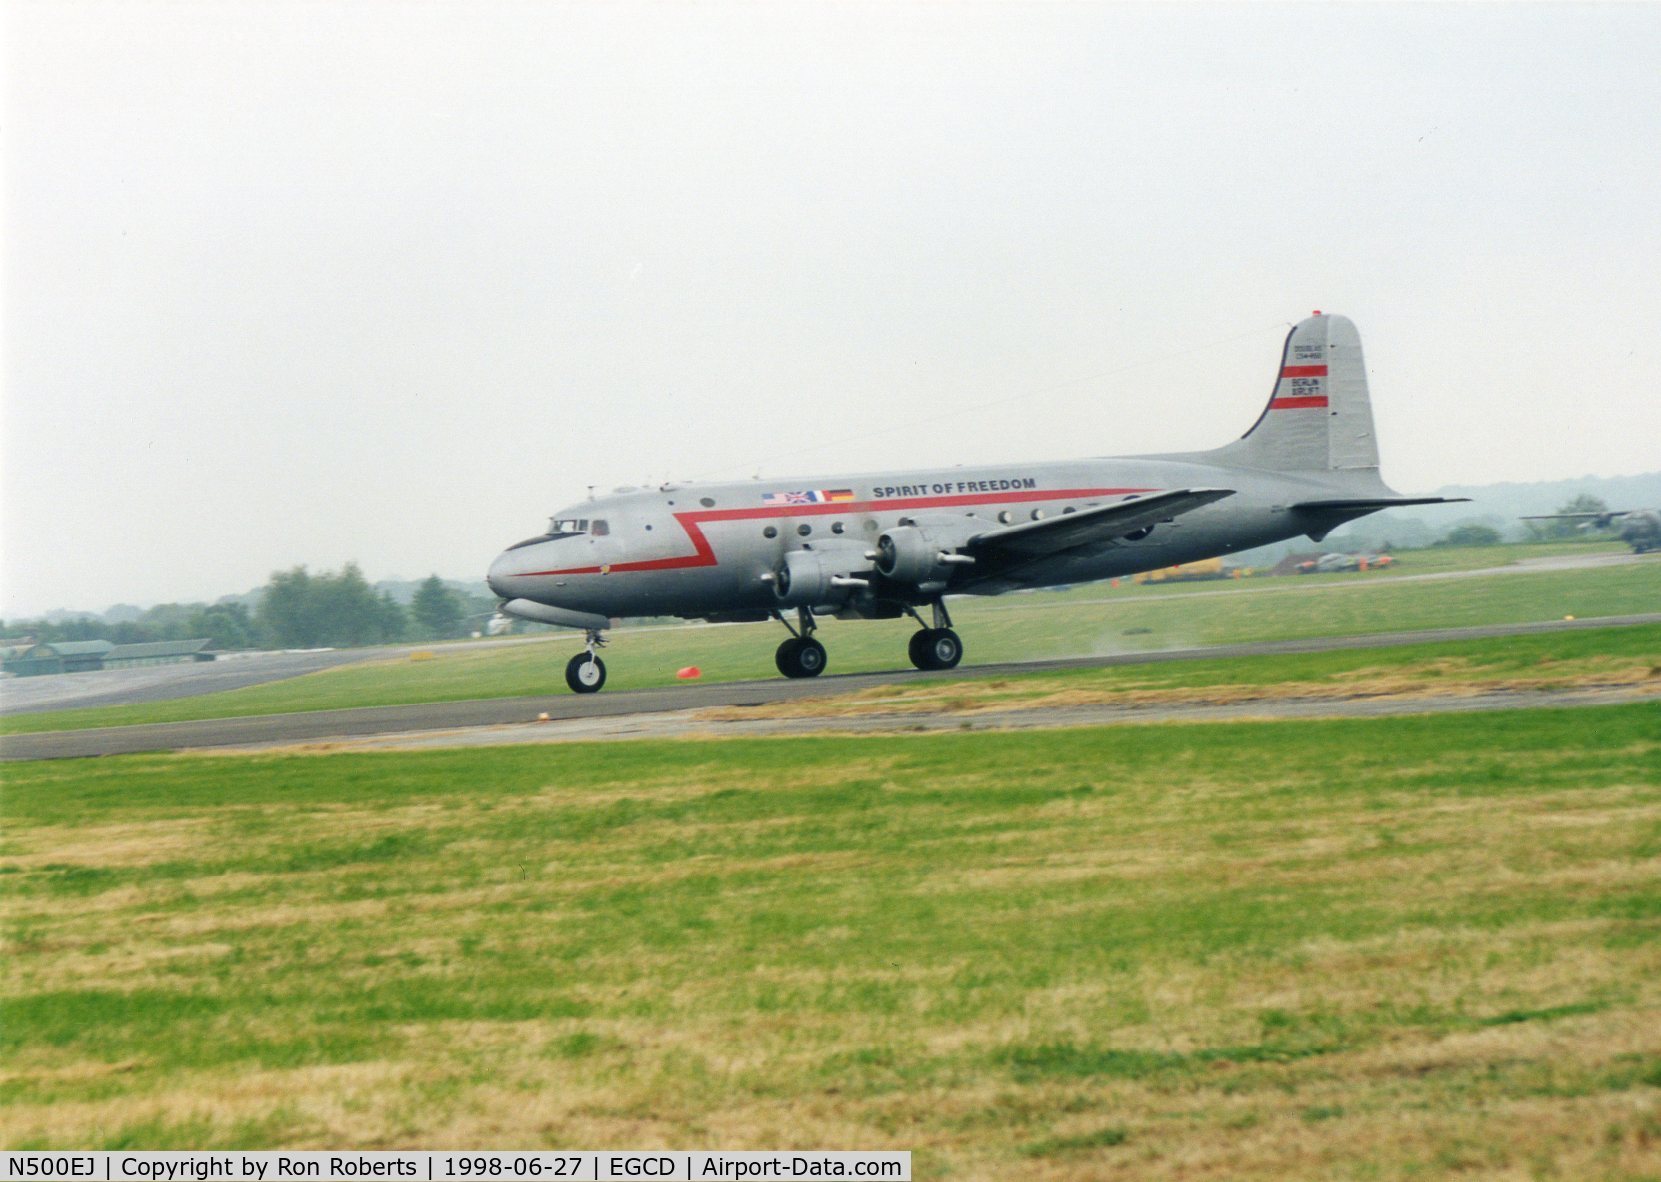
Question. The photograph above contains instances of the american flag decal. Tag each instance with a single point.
(812, 496)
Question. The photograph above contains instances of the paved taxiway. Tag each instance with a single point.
(166, 683)
(347, 725)
(714, 723)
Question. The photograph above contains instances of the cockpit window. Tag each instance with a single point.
(566, 527)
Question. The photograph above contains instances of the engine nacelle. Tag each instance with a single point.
(923, 554)
(819, 578)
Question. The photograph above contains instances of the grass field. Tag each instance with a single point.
(1088, 621)
(1626, 657)
(1401, 948)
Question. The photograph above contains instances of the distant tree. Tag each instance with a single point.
(351, 610)
(393, 619)
(1471, 535)
(132, 632)
(228, 625)
(287, 612)
(1584, 503)
(437, 609)
(302, 610)
(47, 632)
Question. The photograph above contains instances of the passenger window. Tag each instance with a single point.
(1006, 516)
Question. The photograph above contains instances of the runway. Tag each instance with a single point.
(348, 726)
(166, 683)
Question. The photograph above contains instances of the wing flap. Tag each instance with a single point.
(1104, 523)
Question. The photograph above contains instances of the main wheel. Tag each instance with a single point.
(585, 673)
(800, 656)
(936, 648)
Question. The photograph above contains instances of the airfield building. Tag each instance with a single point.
(161, 652)
(89, 656)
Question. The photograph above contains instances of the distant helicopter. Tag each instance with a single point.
(1639, 528)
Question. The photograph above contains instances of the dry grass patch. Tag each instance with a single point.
(1445, 677)
(1407, 947)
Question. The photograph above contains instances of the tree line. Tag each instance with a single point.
(295, 609)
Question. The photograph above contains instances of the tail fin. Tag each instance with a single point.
(1319, 417)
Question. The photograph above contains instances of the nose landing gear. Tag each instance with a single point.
(585, 673)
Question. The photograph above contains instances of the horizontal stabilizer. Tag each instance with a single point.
(1104, 523)
(1374, 504)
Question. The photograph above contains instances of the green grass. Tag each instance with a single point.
(1439, 559)
(1434, 940)
(1088, 621)
(1627, 656)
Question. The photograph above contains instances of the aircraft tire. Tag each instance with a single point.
(936, 648)
(944, 648)
(800, 656)
(585, 673)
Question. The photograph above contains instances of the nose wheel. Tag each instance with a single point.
(585, 673)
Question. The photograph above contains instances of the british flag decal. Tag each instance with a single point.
(812, 496)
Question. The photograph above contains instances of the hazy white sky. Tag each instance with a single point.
(312, 282)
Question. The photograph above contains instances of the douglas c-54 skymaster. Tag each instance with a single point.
(885, 546)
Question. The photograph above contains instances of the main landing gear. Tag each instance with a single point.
(801, 655)
(937, 647)
(585, 673)
(933, 648)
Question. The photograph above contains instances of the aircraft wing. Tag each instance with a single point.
(1373, 504)
(1101, 524)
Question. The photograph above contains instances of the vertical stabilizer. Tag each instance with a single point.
(1319, 417)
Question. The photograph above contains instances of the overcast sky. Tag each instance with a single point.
(391, 282)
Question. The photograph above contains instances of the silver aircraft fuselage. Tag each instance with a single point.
(700, 550)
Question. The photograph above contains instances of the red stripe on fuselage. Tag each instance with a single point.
(1303, 371)
(704, 555)
(1299, 402)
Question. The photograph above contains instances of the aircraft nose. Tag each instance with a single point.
(501, 574)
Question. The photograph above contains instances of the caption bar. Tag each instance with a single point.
(572, 1166)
